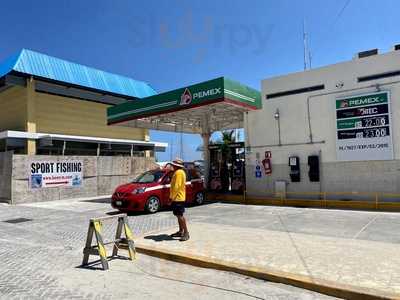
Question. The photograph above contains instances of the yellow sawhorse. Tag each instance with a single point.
(95, 229)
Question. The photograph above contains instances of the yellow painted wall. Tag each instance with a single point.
(13, 109)
(61, 115)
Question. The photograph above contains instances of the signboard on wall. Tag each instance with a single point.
(363, 127)
(45, 174)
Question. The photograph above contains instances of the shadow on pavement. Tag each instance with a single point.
(102, 200)
(96, 264)
(159, 237)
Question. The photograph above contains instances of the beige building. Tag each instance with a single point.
(346, 116)
(54, 139)
(51, 106)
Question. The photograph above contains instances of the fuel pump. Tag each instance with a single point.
(215, 168)
(227, 167)
(238, 177)
(238, 167)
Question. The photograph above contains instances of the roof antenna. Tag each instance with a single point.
(306, 48)
(304, 45)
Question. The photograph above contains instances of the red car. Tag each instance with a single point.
(150, 192)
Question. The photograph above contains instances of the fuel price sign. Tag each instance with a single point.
(363, 127)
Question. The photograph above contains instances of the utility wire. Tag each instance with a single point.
(334, 22)
(340, 13)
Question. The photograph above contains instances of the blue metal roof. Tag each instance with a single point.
(41, 65)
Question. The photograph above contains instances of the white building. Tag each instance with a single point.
(357, 140)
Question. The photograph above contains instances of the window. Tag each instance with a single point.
(378, 76)
(296, 91)
(149, 177)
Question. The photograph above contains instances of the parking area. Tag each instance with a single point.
(356, 251)
(41, 255)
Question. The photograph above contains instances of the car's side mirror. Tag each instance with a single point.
(167, 180)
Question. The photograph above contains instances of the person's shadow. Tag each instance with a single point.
(159, 237)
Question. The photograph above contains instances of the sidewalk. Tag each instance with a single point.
(368, 266)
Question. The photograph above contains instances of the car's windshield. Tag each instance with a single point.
(149, 177)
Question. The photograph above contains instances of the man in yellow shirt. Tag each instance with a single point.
(178, 196)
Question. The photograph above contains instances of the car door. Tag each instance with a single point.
(166, 185)
(189, 187)
(197, 182)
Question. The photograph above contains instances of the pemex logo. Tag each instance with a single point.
(186, 97)
(344, 103)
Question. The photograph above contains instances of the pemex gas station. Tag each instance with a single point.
(210, 106)
(326, 137)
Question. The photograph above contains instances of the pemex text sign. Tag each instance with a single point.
(363, 127)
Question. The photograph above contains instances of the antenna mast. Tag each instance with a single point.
(306, 48)
(304, 45)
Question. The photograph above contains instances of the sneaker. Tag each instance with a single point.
(185, 237)
(177, 234)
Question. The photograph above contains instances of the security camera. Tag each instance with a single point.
(339, 85)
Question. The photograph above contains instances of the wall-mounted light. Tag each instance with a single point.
(276, 115)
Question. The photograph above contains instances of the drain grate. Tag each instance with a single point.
(18, 220)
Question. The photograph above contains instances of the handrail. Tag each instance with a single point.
(366, 200)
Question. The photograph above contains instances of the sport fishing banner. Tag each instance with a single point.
(44, 174)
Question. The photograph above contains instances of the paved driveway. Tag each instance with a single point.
(40, 258)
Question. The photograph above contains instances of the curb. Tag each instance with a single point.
(329, 288)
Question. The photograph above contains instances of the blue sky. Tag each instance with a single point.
(170, 44)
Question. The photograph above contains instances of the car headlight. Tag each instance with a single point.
(139, 191)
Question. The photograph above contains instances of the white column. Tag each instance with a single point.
(64, 147)
(206, 156)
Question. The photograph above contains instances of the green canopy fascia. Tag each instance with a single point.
(184, 106)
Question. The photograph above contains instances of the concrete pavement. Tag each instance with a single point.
(40, 259)
(355, 250)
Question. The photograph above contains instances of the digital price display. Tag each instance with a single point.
(363, 127)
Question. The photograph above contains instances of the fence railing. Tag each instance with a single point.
(356, 200)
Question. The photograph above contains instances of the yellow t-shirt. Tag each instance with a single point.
(178, 186)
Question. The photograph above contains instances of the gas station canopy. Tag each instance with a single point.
(206, 107)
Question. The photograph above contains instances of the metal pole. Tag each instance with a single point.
(181, 142)
(64, 147)
(206, 153)
(279, 132)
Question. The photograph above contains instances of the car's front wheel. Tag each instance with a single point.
(152, 205)
(199, 198)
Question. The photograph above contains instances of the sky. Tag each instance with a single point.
(174, 43)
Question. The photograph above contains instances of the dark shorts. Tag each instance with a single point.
(178, 208)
